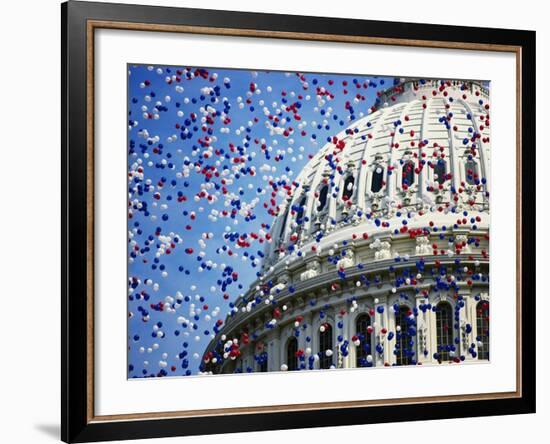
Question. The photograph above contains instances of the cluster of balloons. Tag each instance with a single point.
(212, 155)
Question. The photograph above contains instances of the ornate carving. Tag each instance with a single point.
(423, 245)
(470, 198)
(313, 269)
(340, 358)
(440, 190)
(347, 260)
(383, 249)
(408, 194)
(422, 332)
(461, 244)
(465, 334)
(284, 277)
(277, 288)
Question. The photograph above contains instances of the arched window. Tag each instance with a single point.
(322, 198)
(261, 360)
(404, 341)
(472, 174)
(407, 178)
(440, 171)
(325, 343)
(291, 350)
(283, 225)
(301, 209)
(362, 324)
(482, 321)
(444, 330)
(347, 192)
(377, 179)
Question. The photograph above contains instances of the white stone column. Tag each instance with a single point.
(391, 327)
(432, 334)
(381, 320)
(314, 336)
(352, 348)
(345, 335)
(423, 336)
(304, 333)
(468, 316)
(424, 172)
(395, 180)
(455, 165)
(283, 338)
(273, 352)
(332, 202)
(482, 148)
(332, 319)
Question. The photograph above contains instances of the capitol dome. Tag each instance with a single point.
(379, 254)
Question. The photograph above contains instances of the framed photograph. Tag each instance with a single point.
(275, 221)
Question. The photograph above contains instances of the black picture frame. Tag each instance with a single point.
(76, 423)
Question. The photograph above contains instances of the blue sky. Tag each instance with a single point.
(173, 150)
